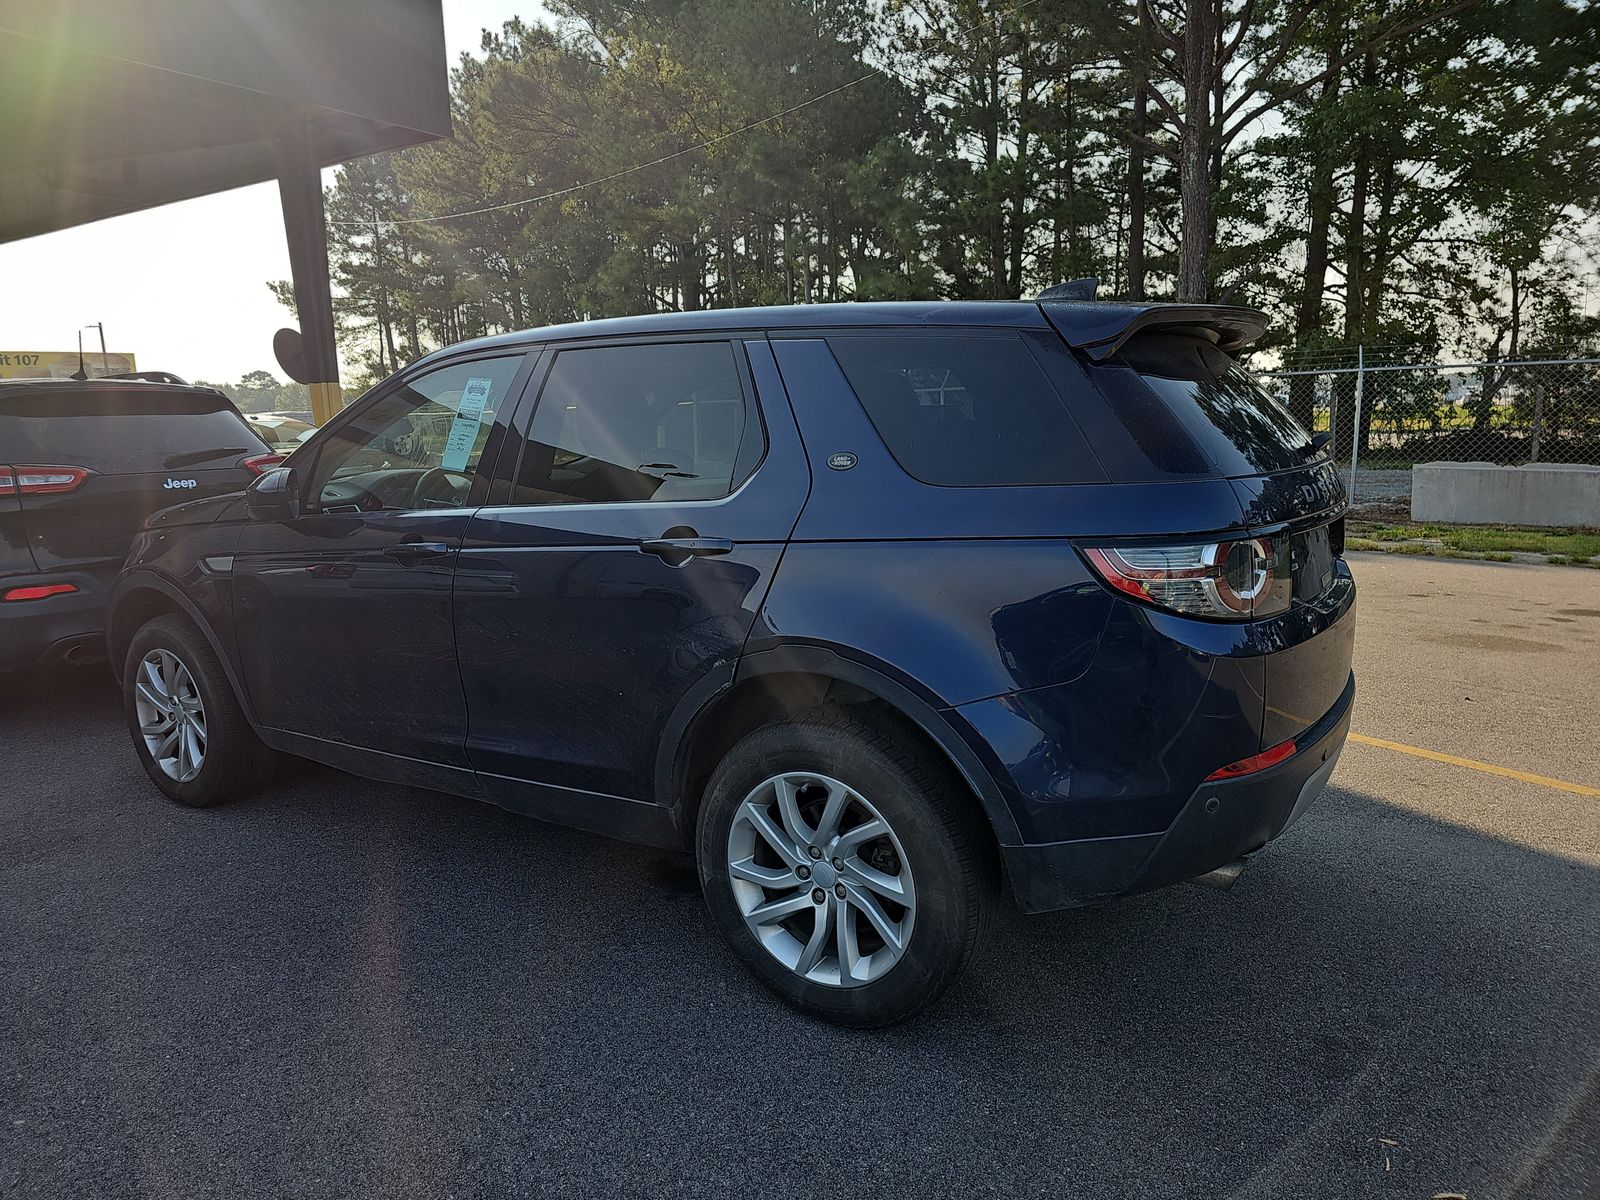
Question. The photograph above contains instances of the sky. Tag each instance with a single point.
(182, 287)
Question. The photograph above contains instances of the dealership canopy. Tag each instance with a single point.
(108, 106)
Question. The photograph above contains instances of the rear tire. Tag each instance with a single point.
(789, 852)
(188, 730)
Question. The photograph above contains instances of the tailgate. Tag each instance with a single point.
(92, 526)
(15, 556)
(1286, 488)
(104, 455)
(1309, 665)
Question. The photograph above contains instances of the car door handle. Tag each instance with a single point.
(414, 552)
(681, 549)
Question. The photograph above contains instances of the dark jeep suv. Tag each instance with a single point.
(880, 609)
(82, 464)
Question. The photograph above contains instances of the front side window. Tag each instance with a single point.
(419, 445)
(663, 423)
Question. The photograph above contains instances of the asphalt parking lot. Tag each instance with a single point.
(345, 988)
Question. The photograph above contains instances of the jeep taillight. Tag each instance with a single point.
(40, 481)
(260, 464)
(1235, 580)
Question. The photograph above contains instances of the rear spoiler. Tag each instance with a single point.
(1101, 328)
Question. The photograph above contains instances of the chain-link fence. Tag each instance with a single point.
(1387, 418)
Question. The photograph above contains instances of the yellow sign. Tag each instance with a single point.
(61, 364)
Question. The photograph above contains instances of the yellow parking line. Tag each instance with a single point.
(1577, 789)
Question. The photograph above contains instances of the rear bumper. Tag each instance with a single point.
(33, 631)
(1218, 823)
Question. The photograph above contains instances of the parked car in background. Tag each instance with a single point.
(82, 464)
(280, 431)
(881, 610)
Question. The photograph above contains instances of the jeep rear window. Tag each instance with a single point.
(1237, 423)
(965, 410)
(121, 431)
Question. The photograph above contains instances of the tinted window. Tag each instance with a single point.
(418, 445)
(966, 410)
(1134, 433)
(1240, 426)
(630, 423)
(123, 431)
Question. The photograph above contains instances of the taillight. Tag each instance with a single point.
(1256, 762)
(262, 463)
(1228, 581)
(37, 591)
(40, 481)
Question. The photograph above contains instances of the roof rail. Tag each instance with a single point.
(150, 377)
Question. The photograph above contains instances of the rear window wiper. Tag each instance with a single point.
(198, 456)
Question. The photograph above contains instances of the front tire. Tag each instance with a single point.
(188, 729)
(844, 866)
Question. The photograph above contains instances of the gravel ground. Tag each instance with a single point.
(344, 988)
(1379, 485)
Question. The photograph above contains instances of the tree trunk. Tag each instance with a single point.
(689, 274)
(788, 261)
(1308, 314)
(1016, 242)
(833, 252)
(1141, 126)
(1354, 271)
(1194, 150)
(1482, 405)
(991, 157)
(1218, 100)
(1373, 277)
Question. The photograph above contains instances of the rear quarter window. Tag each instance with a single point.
(1235, 421)
(122, 431)
(965, 409)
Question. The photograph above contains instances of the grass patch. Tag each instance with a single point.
(1569, 544)
(1424, 549)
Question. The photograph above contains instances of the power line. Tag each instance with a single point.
(392, 222)
(655, 162)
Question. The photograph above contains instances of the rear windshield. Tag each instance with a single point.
(966, 410)
(121, 432)
(1238, 424)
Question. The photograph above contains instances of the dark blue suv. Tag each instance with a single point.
(883, 610)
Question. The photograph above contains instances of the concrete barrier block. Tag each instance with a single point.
(1486, 494)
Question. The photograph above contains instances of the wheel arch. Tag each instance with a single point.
(773, 682)
(142, 596)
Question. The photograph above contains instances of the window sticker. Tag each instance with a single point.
(464, 428)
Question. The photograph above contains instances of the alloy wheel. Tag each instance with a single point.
(821, 879)
(172, 719)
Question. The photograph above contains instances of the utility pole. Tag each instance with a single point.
(300, 190)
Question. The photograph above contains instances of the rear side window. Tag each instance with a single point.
(966, 410)
(124, 431)
(1238, 424)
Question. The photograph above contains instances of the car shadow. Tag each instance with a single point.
(397, 992)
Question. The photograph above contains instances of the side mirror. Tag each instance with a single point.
(1319, 442)
(274, 496)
